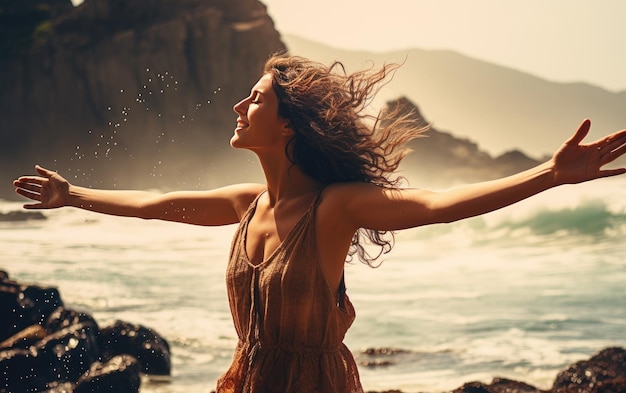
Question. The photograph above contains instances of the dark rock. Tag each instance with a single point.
(21, 371)
(152, 350)
(25, 338)
(63, 318)
(120, 374)
(10, 311)
(498, 385)
(68, 353)
(39, 302)
(503, 385)
(473, 387)
(25, 305)
(60, 387)
(604, 372)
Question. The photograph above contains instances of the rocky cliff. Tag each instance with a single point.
(139, 94)
(441, 160)
(136, 91)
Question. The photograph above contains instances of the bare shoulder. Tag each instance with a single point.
(241, 195)
(366, 205)
(341, 201)
(343, 195)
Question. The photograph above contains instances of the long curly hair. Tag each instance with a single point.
(335, 139)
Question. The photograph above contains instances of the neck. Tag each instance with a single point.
(286, 180)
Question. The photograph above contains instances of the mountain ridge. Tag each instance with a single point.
(475, 99)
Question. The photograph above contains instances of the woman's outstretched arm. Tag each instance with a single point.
(385, 209)
(220, 206)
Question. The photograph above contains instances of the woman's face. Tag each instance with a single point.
(258, 125)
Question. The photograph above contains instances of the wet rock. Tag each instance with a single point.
(473, 387)
(152, 350)
(25, 338)
(45, 345)
(503, 385)
(63, 318)
(60, 387)
(120, 374)
(25, 305)
(68, 353)
(20, 371)
(498, 385)
(604, 372)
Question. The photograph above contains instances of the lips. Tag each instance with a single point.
(241, 124)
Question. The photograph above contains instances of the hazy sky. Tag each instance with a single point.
(560, 40)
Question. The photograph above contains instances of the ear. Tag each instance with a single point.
(286, 129)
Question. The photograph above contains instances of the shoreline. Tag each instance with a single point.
(38, 322)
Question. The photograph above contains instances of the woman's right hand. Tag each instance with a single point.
(49, 189)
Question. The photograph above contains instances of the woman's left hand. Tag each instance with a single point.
(576, 162)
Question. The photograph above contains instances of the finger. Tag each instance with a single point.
(28, 194)
(613, 141)
(28, 186)
(581, 133)
(43, 171)
(33, 206)
(614, 153)
(29, 180)
(611, 172)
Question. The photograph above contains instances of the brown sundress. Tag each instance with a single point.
(289, 322)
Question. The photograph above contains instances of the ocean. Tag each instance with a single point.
(520, 293)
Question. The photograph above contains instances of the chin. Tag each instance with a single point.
(233, 141)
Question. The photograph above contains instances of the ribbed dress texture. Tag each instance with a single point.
(289, 322)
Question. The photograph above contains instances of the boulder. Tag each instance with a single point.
(604, 372)
(68, 353)
(47, 347)
(25, 305)
(120, 374)
(151, 350)
(21, 371)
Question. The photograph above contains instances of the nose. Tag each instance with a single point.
(240, 107)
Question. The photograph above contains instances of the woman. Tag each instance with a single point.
(329, 191)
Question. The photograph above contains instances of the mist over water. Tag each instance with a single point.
(153, 136)
(519, 293)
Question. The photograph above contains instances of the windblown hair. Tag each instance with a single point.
(335, 140)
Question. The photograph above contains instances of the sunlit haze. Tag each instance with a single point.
(559, 40)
